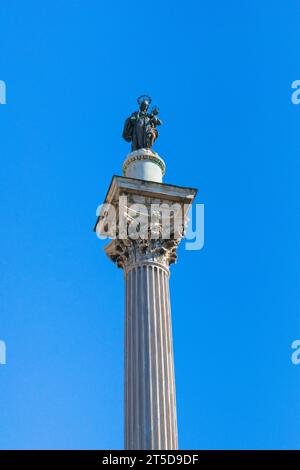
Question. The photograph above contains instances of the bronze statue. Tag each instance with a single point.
(140, 127)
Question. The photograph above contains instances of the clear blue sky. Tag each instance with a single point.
(221, 73)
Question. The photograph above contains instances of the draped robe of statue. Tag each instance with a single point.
(139, 129)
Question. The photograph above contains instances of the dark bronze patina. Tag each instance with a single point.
(140, 127)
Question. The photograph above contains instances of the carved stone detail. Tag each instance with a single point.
(128, 253)
(143, 155)
(151, 245)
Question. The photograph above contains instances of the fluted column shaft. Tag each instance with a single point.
(150, 403)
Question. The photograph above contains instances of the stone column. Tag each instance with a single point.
(150, 403)
(149, 395)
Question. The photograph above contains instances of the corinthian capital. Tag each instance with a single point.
(145, 220)
(128, 253)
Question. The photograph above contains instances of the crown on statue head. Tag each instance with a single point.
(144, 98)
